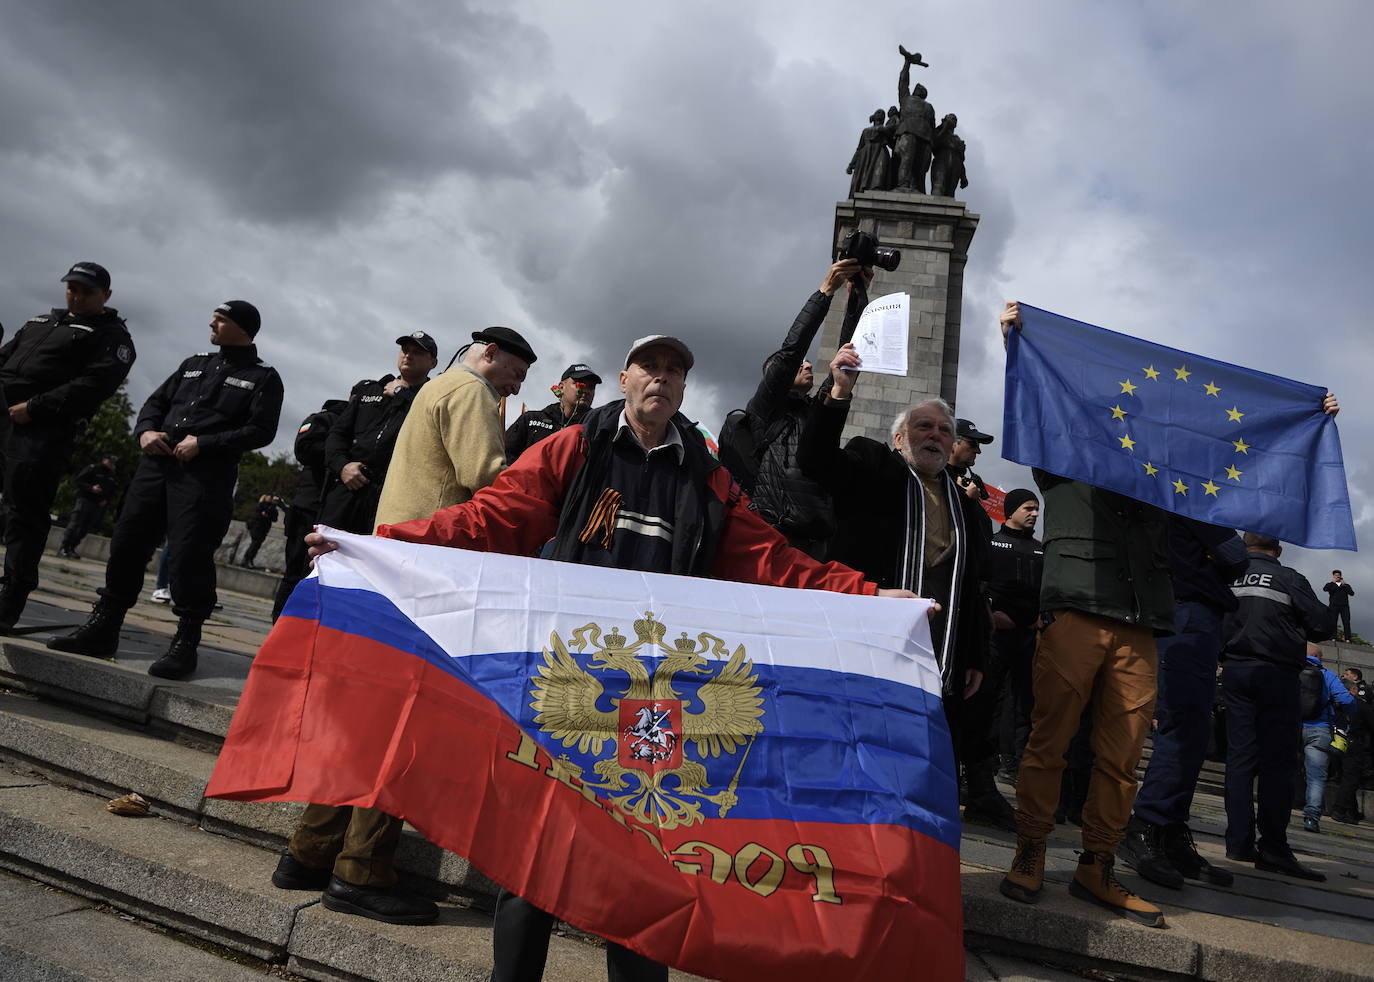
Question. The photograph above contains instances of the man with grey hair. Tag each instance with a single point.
(903, 523)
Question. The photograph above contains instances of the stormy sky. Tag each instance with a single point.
(1198, 174)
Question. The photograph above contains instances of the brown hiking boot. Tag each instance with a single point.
(1095, 880)
(1027, 874)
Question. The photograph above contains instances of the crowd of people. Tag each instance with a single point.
(1058, 658)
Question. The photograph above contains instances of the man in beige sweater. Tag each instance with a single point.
(451, 445)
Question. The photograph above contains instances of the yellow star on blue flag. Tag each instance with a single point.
(1269, 463)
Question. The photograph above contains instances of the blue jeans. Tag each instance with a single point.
(1315, 740)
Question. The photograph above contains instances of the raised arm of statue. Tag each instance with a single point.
(904, 84)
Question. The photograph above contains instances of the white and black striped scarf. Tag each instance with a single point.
(911, 562)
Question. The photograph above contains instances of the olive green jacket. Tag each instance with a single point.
(1105, 554)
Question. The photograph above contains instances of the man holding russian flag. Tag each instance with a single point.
(633, 487)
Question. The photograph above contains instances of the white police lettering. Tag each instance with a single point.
(370, 399)
(1002, 545)
(541, 422)
(194, 373)
(241, 383)
(1255, 579)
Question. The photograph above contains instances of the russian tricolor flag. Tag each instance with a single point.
(743, 782)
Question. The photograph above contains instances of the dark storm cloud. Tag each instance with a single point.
(716, 221)
(294, 111)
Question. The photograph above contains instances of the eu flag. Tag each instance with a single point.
(1198, 437)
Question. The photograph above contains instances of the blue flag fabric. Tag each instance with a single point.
(1194, 436)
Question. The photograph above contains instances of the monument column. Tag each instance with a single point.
(934, 235)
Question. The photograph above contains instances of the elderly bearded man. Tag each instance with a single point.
(631, 486)
(903, 523)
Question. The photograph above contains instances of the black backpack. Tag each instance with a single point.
(1312, 693)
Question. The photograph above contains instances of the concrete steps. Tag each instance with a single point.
(217, 889)
(76, 731)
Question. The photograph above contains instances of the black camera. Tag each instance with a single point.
(859, 245)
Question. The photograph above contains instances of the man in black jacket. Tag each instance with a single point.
(790, 501)
(55, 372)
(1266, 647)
(904, 524)
(304, 510)
(1016, 561)
(575, 391)
(96, 487)
(1338, 594)
(1203, 560)
(259, 524)
(358, 449)
(193, 429)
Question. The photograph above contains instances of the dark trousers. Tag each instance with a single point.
(1343, 615)
(1262, 731)
(295, 527)
(85, 519)
(1347, 803)
(256, 537)
(1016, 650)
(191, 504)
(520, 939)
(1183, 707)
(351, 511)
(36, 457)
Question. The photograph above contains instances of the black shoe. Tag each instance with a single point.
(1312, 825)
(1143, 851)
(66, 553)
(1182, 852)
(1245, 854)
(1288, 865)
(180, 660)
(292, 874)
(378, 903)
(993, 812)
(98, 637)
(12, 601)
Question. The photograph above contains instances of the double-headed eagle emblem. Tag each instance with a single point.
(687, 693)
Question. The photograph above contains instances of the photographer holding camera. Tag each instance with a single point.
(358, 450)
(791, 502)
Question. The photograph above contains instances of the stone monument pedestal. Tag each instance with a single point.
(934, 235)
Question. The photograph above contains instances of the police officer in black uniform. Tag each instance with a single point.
(96, 487)
(1266, 647)
(359, 446)
(304, 510)
(1015, 565)
(55, 373)
(193, 429)
(575, 391)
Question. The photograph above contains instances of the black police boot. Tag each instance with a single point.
(98, 637)
(180, 660)
(12, 601)
(1143, 850)
(1182, 852)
